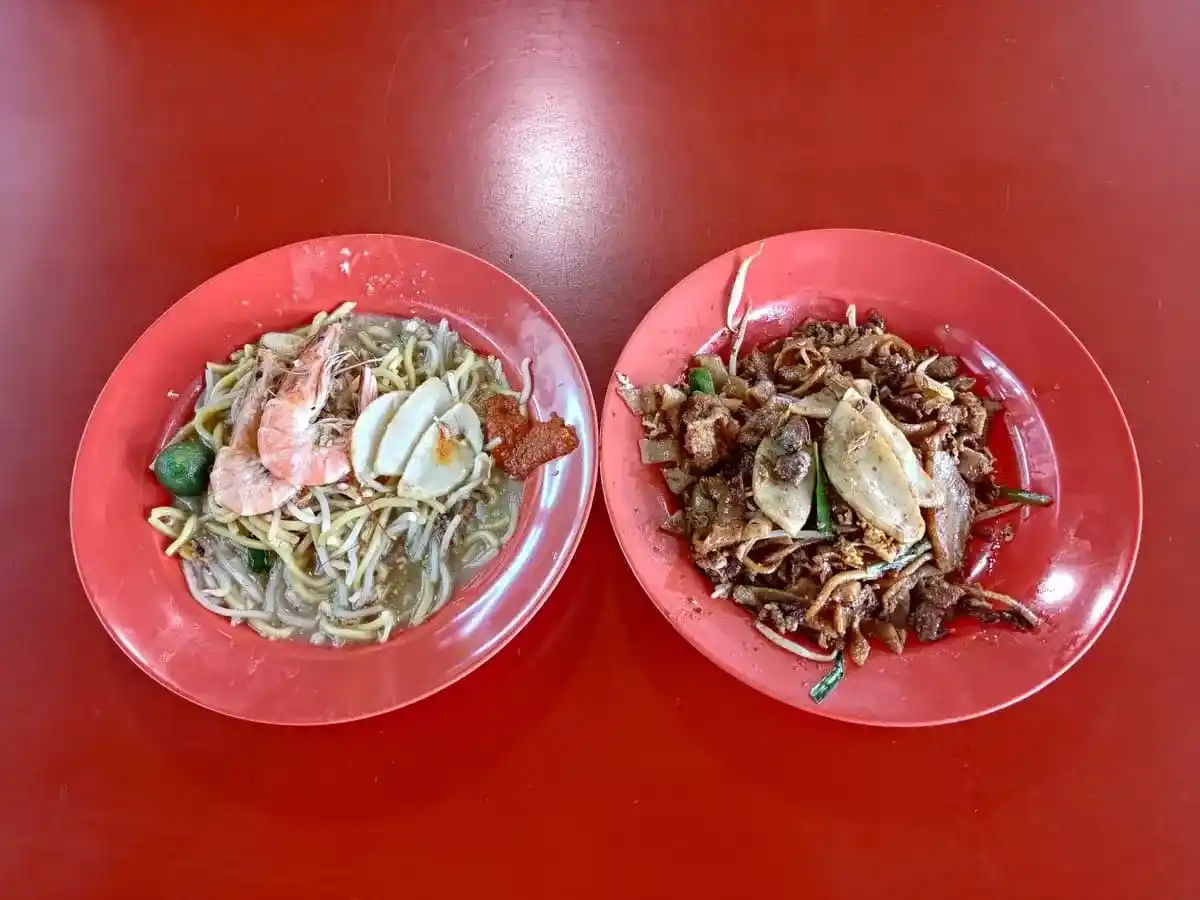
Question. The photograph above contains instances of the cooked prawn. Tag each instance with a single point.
(290, 442)
(368, 388)
(239, 481)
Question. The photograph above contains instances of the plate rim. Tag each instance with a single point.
(611, 398)
(516, 624)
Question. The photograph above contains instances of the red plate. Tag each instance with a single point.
(1066, 436)
(140, 596)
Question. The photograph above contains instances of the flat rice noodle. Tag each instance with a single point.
(678, 480)
(816, 406)
(661, 451)
(865, 346)
(950, 523)
(863, 468)
(638, 402)
(856, 349)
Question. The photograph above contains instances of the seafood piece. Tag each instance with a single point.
(927, 494)
(368, 389)
(409, 425)
(863, 467)
(950, 524)
(786, 504)
(239, 481)
(291, 444)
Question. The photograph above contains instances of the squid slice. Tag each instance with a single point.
(927, 494)
(864, 468)
(787, 505)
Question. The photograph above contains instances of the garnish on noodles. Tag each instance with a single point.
(334, 481)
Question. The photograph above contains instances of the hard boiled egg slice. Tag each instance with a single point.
(440, 462)
(464, 421)
(409, 425)
(368, 432)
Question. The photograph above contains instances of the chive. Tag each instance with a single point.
(700, 380)
(821, 498)
(258, 559)
(825, 686)
(1029, 498)
(903, 559)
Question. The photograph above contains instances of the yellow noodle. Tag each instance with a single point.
(185, 535)
(263, 533)
(232, 377)
(430, 344)
(428, 501)
(388, 381)
(376, 538)
(409, 372)
(271, 632)
(220, 514)
(206, 412)
(305, 544)
(370, 344)
(465, 366)
(303, 579)
(185, 432)
(309, 596)
(346, 634)
(341, 519)
(392, 502)
(473, 537)
(159, 517)
(221, 530)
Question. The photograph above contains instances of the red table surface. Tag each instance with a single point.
(598, 152)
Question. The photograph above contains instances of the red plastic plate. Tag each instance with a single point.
(140, 596)
(1066, 436)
